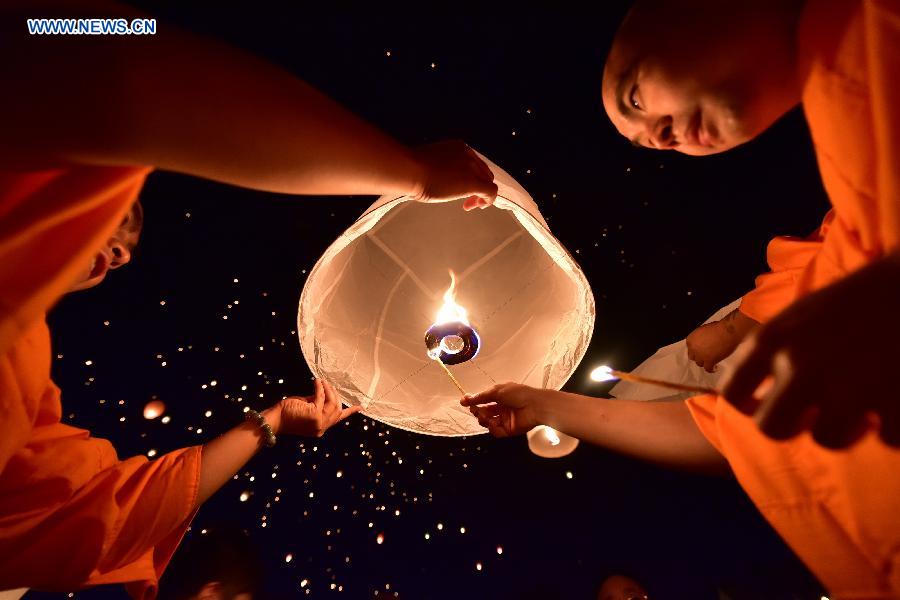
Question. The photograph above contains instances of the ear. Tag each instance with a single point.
(210, 591)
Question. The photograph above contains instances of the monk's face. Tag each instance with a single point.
(701, 76)
(619, 587)
(116, 252)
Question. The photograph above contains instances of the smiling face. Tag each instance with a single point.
(701, 76)
(116, 252)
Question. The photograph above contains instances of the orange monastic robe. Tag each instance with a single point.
(71, 513)
(839, 511)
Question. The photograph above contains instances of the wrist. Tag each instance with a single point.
(418, 176)
(743, 323)
(547, 407)
(272, 416)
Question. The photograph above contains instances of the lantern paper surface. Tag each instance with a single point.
(377, 289)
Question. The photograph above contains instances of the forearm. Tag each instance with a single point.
(181, 102)
(226, 454)
(739, 325)
(659, 432)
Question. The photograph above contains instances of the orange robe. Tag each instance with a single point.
(839, 511)
(71, 513)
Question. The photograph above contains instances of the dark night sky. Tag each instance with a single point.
(664, 239)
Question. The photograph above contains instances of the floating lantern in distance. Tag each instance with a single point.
(547, 442)
(154, 409)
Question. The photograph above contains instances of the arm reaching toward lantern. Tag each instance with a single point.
(193, 105)
(660, 432)
(306, 416)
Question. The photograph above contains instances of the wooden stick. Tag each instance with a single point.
(624, 376)
(450, 375)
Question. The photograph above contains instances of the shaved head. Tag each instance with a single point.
(701, 76)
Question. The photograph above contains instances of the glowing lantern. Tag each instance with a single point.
(515, 307)
(550, 443)
(154, 408)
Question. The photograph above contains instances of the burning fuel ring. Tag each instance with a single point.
(453, 343)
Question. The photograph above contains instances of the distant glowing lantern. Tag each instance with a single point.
(515, 306)
(547, 442)
(154, 409)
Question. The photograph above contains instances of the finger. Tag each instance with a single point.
(471, 203)
(352, 410)
(486, 397)
(319, 395)
(496, 428)
(332, 400)
(491, 411)
(840, 425)
(784, 411)
(749, 372)
(487, 192)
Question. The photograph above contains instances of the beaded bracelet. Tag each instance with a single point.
(269, 439)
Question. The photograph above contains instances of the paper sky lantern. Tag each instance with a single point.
(380, 308)
(550, 443)
(154, 409)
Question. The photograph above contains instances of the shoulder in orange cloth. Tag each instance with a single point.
(71, 513)
(837, 510)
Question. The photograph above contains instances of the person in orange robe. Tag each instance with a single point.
(809, 422)
(72, 514)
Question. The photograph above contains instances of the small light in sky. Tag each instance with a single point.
(88, 362)
(245, 496)
(151, 453)
(380, 538)
(478, 566)
(166, 419)
(569, 475)
(499, 549)
(288, 558)
(208, 413)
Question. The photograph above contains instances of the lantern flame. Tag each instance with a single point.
(451, 312)
(603, 373)
(552, 436)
